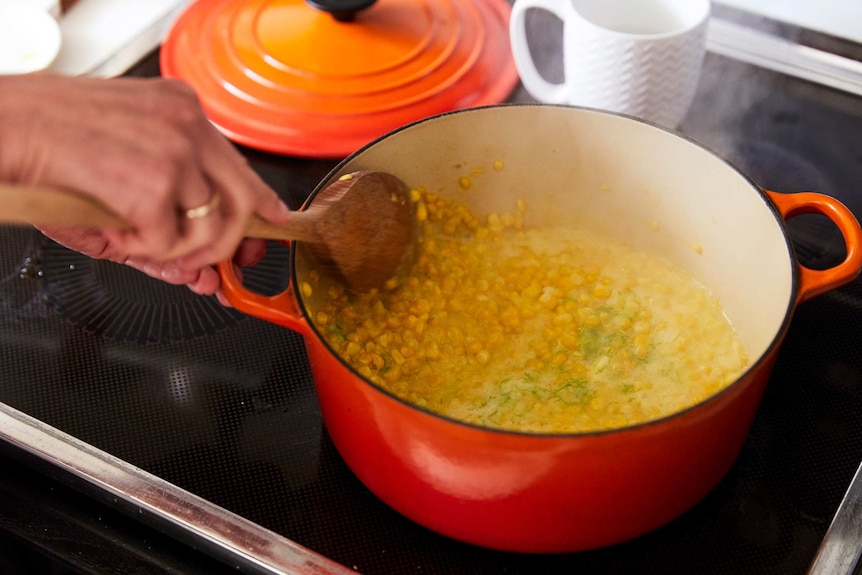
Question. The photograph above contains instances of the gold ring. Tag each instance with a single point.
(203, 210)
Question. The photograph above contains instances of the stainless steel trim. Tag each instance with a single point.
(781, 55)
(208, 523)
(842, 545)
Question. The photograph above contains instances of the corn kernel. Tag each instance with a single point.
(432, 351)
(510, 317)
(563, 318)
(305, 289)
(548, 299)
(391, 284)
(377, 361)
(352, 349)
(392, 374)
(601, 291)
(568, 341)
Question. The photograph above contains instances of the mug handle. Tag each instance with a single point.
(815, 282)
(281, 308)
(532, 80)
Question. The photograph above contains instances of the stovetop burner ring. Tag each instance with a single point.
(120, 303)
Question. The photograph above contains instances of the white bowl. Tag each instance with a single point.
(29, 38)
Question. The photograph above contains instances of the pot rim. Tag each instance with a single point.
(743, 379)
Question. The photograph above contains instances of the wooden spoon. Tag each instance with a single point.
(361, 228)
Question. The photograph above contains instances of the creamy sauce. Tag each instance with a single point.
(540, 330)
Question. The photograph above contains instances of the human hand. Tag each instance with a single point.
(145, 149)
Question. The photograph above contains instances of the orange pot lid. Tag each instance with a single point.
(316, 79)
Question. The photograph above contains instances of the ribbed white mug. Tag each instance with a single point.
(637, 57)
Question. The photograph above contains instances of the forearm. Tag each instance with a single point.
(19, 112)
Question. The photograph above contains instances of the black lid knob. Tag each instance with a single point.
(341, 10)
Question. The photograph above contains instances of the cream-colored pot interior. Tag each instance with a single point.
(610, 173)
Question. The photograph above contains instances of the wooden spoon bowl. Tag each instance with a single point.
(361, 229)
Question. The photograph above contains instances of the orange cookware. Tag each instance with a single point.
(655, 189)
(322, 78)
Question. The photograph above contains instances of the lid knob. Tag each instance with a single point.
(341, 10)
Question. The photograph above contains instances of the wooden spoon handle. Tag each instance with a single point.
(44, 205)
(301, 226)
(54, 206)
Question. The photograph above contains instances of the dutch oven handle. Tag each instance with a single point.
(815, 282)
(280, 308)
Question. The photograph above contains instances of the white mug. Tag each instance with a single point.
(637, 57)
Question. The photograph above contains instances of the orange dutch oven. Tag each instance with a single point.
(545, 493)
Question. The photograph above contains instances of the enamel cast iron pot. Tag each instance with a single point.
(561, 493)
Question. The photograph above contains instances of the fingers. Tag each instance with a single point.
(216, 172)
(242, 193)
(93, 243)
(190, 208)
(203, 281)
(222, 298)
(207, 282)
(161, 228)
(250, 252)
(166, 272)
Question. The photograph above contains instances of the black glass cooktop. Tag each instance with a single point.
(222, 406)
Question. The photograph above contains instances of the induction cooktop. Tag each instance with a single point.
(203, 423)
